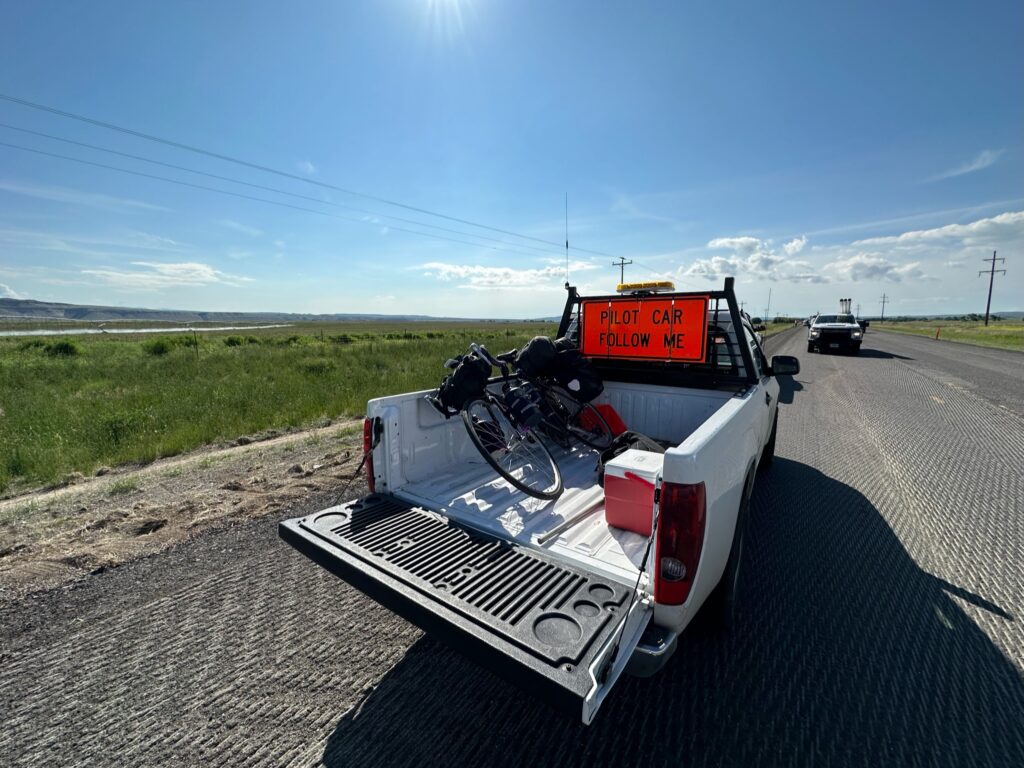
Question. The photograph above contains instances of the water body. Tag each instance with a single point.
(78, 331)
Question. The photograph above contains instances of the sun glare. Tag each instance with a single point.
(447, 17)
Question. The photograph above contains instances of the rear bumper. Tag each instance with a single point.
(655, 649)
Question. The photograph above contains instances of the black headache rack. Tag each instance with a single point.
(728, 363)
(538, 623)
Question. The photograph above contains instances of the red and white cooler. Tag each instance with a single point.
(629, 483)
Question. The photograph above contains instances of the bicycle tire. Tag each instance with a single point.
(538, 473)
(576, 415)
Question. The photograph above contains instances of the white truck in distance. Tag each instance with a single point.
(560, 607)
(835, 333)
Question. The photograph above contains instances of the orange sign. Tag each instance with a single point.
(646, 328)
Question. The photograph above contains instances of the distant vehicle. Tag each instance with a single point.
(864, 325)
(838, 333)
(555, 595)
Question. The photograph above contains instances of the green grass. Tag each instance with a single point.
(121, 487)
(772, 328)
(1004, 334)
(117, 400)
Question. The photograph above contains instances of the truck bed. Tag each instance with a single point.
(474, 495)
(432, 464)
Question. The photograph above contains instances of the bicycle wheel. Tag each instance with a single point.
(519, 457)
(572, 419)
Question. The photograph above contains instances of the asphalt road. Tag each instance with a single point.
(882, 610)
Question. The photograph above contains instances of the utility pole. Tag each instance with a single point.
(768, 309)
(884, 300)
(991, 272)
(621, 264)
(742, 305)
(858, 309)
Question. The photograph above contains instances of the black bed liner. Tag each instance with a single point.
(539, 623)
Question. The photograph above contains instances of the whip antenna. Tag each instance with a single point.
(566, 239)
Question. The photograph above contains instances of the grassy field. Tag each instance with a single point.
(772, 328)
(77, 403)
(1005, 334)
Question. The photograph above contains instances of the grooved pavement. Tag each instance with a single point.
(883, 595)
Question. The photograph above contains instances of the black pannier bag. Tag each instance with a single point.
(622, 443)
(572, 371)
(466, 382)
(537, 357)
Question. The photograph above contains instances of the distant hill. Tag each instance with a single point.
(29, 309)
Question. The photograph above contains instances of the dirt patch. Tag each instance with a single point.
(49, 538)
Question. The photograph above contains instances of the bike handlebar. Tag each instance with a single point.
(481, 350)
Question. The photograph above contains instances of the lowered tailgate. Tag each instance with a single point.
(541, 624)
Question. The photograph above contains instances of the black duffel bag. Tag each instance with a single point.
(537, 357)
(572, 371)
(467, 382)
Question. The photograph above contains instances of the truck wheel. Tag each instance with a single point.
(721, 605)
(856, 349)
(810, 347)
(768, 452)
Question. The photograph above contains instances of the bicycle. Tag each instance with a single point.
(567, 419)
(507, 429)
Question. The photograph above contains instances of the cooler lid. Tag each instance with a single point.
(646, 464)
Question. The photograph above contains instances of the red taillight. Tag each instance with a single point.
(680, 539)
(368, 453)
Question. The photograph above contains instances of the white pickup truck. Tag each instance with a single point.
(561, 608)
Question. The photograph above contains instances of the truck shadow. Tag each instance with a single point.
(881, 354)
(846, 653)
(788, 387)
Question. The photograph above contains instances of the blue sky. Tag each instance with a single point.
(815, 150)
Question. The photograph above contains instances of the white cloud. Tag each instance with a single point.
(795, 245)
(973, 210)
(88, 245)
(879, 259)
(984, 159)
(976, 232)
(306, 167)
(6, 292)
(243, 228)
(752, 257)
(627, 207)
(156, 276)
(863, 266)
(739, 244)
(76, 197)
(481, 277)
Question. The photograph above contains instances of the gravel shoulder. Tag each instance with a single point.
(51, 537)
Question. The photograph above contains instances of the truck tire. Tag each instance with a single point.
(768, 452)
(722, 604)
(810, 347)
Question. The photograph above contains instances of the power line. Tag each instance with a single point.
(266, 188)
(278, 172)
(251, 197)
(991, 272)
(296, 177)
